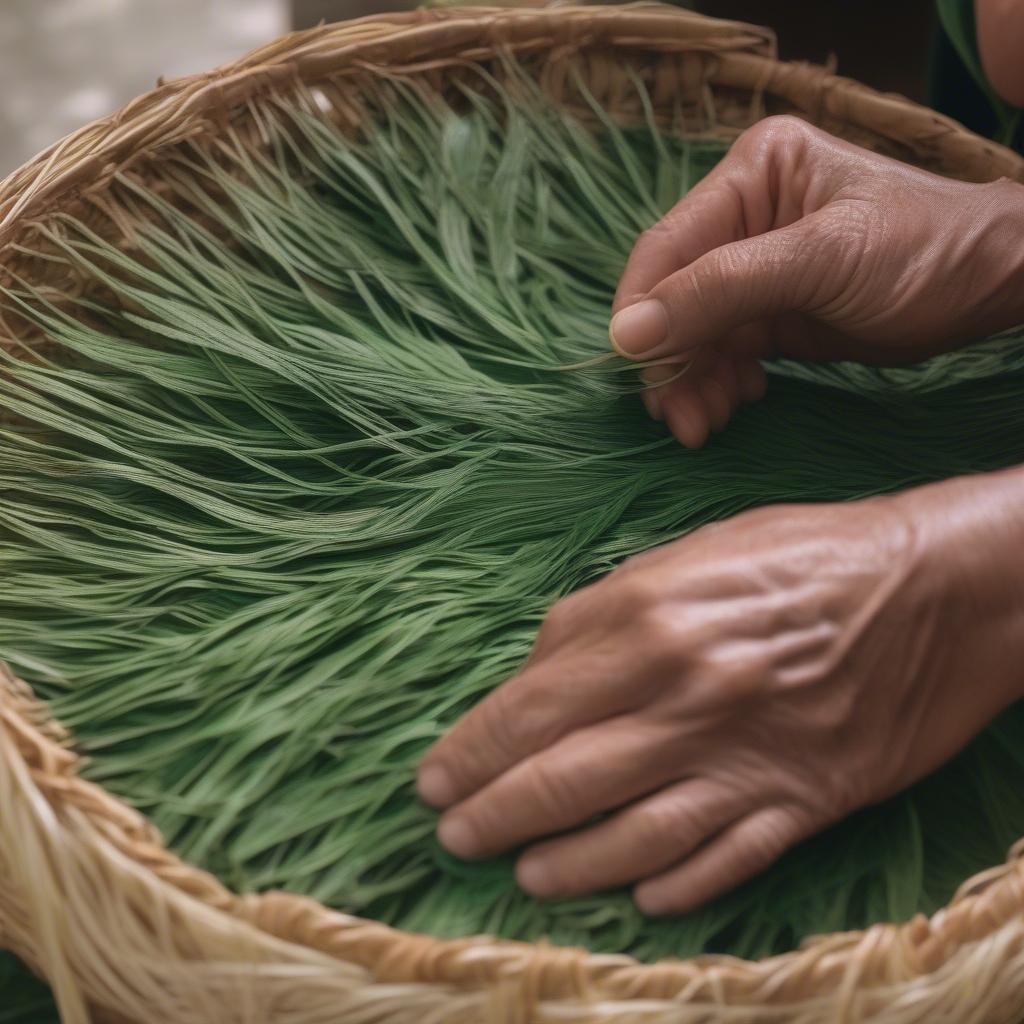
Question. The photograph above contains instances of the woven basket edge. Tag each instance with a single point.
(986, 904)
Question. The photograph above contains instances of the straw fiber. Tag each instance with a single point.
(90, 897)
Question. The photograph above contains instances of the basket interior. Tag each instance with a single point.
(86, 264)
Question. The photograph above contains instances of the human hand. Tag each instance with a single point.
(798, 244)
(724, 696)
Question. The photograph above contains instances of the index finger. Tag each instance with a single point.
(709, 216)
(525, 715)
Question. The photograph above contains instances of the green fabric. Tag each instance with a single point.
(24, 999)
(957, 20)
(280, 518)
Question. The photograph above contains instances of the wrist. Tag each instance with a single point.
(970, 537)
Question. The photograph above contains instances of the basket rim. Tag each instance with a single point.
(924, 957)
(744, 58)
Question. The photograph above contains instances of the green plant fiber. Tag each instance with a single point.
(293, 489)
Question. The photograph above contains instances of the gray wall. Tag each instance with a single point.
(66, 62)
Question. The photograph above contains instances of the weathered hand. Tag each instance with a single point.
(720, 698)
(798, 244)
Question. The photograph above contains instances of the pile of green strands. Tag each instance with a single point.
(291, 488)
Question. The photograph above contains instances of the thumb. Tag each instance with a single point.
(777, 272)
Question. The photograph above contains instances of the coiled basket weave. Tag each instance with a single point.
(125, 931)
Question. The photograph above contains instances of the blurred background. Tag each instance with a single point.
(66, 62)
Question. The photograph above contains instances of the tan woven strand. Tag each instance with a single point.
(113, 920)
(89, 895)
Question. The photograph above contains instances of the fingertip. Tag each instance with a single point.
(534, 876)
(640, 330)
(649, 900)
(652, 403)
(457, 836)
(687, 419)
(716, 401)
(655, 897)
(435, 785)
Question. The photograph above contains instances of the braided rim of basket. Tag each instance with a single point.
(88, 893)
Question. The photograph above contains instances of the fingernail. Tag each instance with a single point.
(533, 875)
(456, 836)
(637, 329)
(435, 786)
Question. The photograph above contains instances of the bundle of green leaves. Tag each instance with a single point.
(292, 487)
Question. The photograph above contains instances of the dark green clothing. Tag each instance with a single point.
(958, 84)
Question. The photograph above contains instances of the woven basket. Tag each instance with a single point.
(124, 931)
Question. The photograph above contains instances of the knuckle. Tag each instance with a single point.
(849, 231)
(642, 559)
(658, 232)
(663, 628)
(552, 793)
(628, 567)
(548, 634)
(500, 724)
(859, 232)
(788, 126)
(673, 821)
(779, 129)
(537, 718)
(634, 592)
(770, 837)
(705, 280)
(556, 622)
(750, 681)
(736, 681)
(661, 235)
(554, 619)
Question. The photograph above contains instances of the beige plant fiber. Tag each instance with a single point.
(126, 932)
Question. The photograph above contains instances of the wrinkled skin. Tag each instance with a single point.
(716, 700)
(798, 244)
(732, 692)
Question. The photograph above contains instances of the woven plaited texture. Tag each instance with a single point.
(127, 932)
